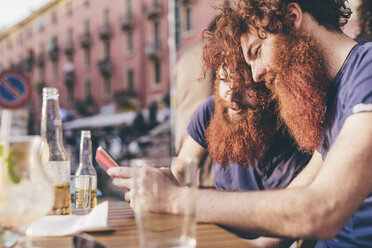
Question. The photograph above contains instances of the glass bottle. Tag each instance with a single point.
(86, 164)
(54, 156)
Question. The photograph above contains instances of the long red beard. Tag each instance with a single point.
(242, 139)
(299, 83)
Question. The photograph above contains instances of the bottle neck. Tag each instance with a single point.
(85, 159)
(51, 122)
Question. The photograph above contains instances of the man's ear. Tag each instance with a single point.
(296, 15)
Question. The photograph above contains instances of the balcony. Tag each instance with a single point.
(69, 79)
(41, 60)
(154, 11)
(127, 23)
(69, 48)
(105, 32)
(105, 67)
(85, 40)
(53, 53)
(153, 51)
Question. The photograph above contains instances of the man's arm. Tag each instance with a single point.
(317, 211)
(307, 175)
(190, 149)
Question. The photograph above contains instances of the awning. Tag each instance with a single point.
(104, 120)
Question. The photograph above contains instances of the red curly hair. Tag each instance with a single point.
(246, 141)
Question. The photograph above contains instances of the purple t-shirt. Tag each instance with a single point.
(350, 93)
(281, 164)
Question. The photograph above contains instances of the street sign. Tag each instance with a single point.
(15, 89)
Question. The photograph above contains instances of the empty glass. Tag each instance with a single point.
(162, 229)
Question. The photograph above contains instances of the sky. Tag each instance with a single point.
(11, 12)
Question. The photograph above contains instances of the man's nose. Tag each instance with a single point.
(258, 73)
(235, 96)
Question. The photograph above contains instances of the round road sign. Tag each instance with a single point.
(15, 89)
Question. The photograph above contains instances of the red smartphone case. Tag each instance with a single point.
(104, 159)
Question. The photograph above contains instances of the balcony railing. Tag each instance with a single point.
(153, 51)
(127, 23)
(105, 32)
(105, 67)
(69, 48)
(154, 11)
(85, 40)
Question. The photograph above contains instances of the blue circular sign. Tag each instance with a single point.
(15, 89)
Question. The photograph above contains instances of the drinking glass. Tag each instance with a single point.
(159, 229)
(25, 192)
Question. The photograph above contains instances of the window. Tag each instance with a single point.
(157, 71)
(86, 26)
(178, 24)
(53, 44)
(87, 89)
(107, 49)
(130, 80)
(87, 58)
(130, 41)
(53, 17)
(55, 69)
(42, 73)
(107, 86)
(40, 24)
(87, 54)
(188, 19)
(156, 34)
(129, 8)
(187, 24)
(106, 16)
(69, 8)
(70, 33)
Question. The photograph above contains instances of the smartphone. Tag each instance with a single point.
(104, 159)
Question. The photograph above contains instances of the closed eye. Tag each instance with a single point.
(256, 52)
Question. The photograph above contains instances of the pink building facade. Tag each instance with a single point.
(101, 53)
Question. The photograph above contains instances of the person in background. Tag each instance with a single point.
(192, 89)
(153, 114)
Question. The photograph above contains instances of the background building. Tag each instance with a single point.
(104, 56)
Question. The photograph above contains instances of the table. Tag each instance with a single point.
(121, 218)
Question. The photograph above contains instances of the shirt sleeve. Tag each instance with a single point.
(200, 121)
(359, 94)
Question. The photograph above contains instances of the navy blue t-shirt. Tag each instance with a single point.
(281, 164)
(350, 93)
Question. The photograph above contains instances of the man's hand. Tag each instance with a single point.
(157, 189)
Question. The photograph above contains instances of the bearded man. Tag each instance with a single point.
(321, 80)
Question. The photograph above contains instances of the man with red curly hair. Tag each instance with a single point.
(322, 82)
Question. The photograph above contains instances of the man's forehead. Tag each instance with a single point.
(248, 38)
